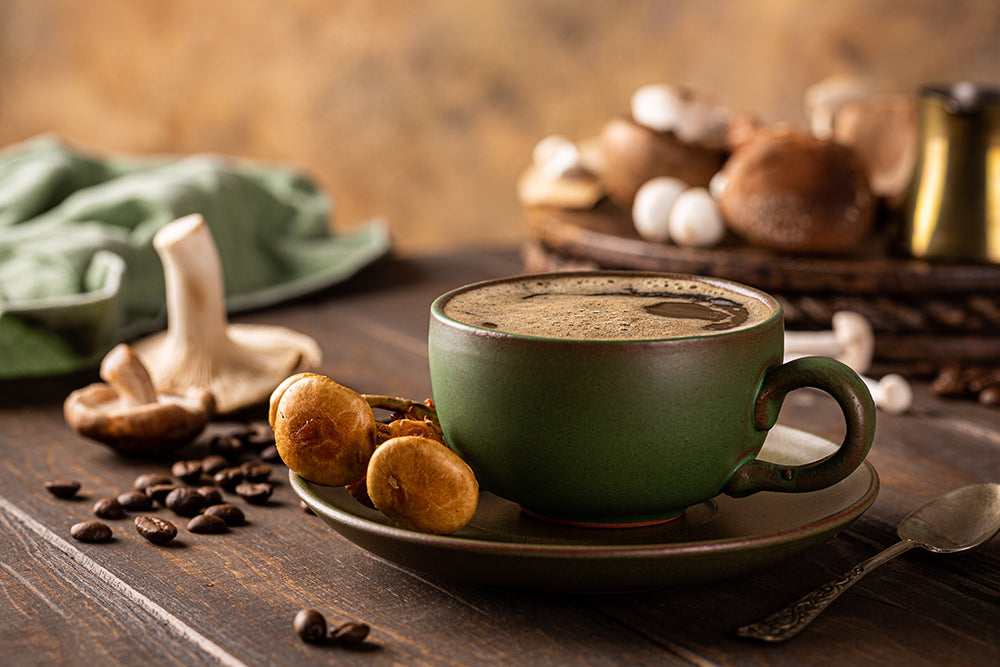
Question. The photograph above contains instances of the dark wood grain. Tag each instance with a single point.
(230, 598)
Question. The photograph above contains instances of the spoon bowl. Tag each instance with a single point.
(959, 520)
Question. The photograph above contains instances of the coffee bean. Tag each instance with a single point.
(310, 625)
(227, 445)
(155, 529)
(159, 492)
(148, 479)
(207, 523)
(109, 508)
(91, 531)
(62, 488)
(270, 455)
(257, 435)
(256, 472)
(188, 472)
(211, 495)
(350, 634)
(213, 463)
(185, 501)
(135, 501)
(229, 478)
(231, 514)
(255, 493)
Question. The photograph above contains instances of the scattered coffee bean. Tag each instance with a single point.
(188, 472)
(270, 455)
(207, 523)
(148, 479)
(159, 492)
(255, 493)
(257, 436)
(231, 514)
(135, 501)
(227, 445)
(91, 531)
(350, 634)
(229, 478)
(211, 495)
(310, 625)
(213, 463)
(155, 529)
(185, 501)
(62, 488)
(256, 472)
(109, 508)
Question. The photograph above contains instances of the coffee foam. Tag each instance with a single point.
(602, 307)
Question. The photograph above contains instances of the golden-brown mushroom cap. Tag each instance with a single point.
(422, 485)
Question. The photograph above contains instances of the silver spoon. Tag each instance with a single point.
(958, 520)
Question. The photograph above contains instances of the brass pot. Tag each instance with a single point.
(953, 208)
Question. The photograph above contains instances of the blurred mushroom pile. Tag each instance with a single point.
(691, 171)
(683, 183)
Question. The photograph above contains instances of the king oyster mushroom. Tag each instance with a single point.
(127, 413)
(240, 364)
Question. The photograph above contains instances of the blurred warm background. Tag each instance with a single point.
(426, 111)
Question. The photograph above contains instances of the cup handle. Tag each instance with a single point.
(850, 392)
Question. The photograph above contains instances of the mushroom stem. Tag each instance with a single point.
(410, 408)
(196, 304)
(122, 369)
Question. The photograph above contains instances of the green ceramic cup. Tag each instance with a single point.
(628, 432)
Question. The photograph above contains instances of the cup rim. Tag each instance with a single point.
(777, 312)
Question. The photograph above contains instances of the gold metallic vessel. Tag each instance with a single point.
(953, 208)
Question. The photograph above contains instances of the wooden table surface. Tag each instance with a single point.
(230, 599)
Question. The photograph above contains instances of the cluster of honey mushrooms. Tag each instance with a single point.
(328, 435)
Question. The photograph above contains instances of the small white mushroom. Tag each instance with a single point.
(653, 203)
(558, 177)
(851, 341)
(240, 364)
(695, 220)
(690, 116)
(892, 393)
(824, 98)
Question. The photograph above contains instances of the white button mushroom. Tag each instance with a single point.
(651, 209)
(695, 220)
(557, 176)
(690, 116)
(892, 393)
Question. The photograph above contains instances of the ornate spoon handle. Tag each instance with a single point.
(788, 622)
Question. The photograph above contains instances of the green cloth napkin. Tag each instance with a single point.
(78, 272)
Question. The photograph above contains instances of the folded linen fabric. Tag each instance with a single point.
(78, 272)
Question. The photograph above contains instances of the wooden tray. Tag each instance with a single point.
(919, 310)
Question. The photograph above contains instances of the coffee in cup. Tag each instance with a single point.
(621, 398)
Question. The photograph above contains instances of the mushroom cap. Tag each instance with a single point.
(856, 338)
(323, 431)
(634, 154)
(791, 192)
(883, 132)
(238, 375)
(422, 485)
(98, 412)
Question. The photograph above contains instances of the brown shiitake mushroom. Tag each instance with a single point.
(128, 414)
(422, 485)
(791, 192)
(634, 154)
(323, 431)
